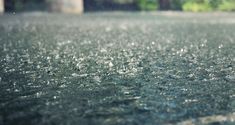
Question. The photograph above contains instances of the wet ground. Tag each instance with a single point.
(117, 69)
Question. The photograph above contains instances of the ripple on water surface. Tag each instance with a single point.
(118, 71)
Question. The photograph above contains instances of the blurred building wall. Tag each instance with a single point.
(1, 6)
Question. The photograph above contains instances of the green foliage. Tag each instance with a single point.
(123, 1)
(214, 3)
(147, 5)
(209, 5)
(227, 5)
(176, 4)
(197, 6)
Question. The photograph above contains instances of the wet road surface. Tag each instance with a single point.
(117, 69)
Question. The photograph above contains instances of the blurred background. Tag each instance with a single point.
(115, 5)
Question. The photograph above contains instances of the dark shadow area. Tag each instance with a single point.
(25, 5)
(124, 5)
(92, 5)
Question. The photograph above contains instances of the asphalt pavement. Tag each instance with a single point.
(120, 68)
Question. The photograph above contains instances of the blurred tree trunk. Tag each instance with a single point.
(164, 4)
(66, 6)
(1, 6)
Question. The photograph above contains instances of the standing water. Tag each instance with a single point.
(115, 68)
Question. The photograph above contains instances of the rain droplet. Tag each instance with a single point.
(97, 78)
(220, 46)
(38, 94)
(57, 56)
(79, 75)
(16, 90)
(230, 78)
(190, 100)
(110, 64)
(103, 50)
